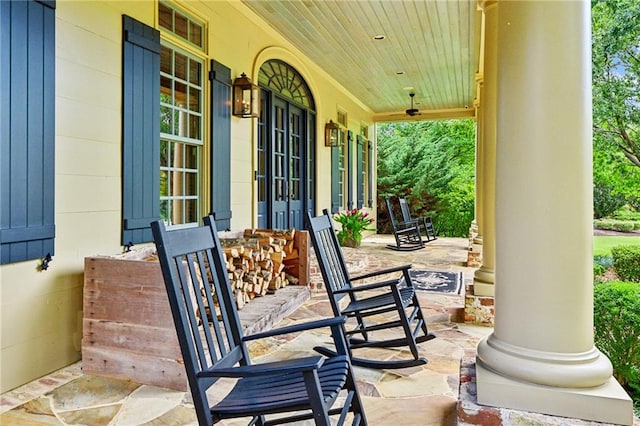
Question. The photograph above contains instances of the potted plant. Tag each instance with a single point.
(352, 222)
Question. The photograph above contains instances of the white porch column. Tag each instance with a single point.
(483, 281)
(541, 355)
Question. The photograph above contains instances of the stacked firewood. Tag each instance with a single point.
(256, 262)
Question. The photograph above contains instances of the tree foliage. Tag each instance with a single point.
(616, 106)
(432, 164)
(616, 75)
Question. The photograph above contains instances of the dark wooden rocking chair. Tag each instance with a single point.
(306, 388)
(425, 223)
(407, 234)
(367, 301)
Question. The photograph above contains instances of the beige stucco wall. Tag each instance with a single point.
(41, 312)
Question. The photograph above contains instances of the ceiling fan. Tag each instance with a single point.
(412, 111)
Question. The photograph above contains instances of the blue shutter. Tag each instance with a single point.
(140, 130)
(370, 173)
(311, 164)
(220, 77)
(349, 171)
(27, 130)
(335, 176)
(359, 170)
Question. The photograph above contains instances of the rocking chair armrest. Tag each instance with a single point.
(372, 286)
(296, 328)
(267, 368)
(382, 272)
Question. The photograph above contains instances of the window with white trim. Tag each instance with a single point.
(181, 117)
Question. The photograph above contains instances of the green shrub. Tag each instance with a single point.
(627, 212)
(617, 327)
(626, 262)
(616, 225)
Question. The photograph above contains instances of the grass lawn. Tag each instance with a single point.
(602, 244)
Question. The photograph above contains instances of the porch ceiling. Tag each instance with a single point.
(434, 44)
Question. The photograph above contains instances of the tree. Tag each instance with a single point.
(432, 164)
(616, 75)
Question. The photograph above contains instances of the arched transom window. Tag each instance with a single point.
(282, 78)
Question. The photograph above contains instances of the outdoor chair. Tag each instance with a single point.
(367, 305)
(213, 346)
(406, 234)
(424, 223)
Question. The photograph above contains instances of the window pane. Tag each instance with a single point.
(195, 34)
(191, 156)
(165, 16)
(164, 210)
(165, 90)
(166, 60)
(194, 126)
(176, 123)
(165, 119)
(181, 25)
(194, 99)
(181, 66)
(261, 164)
(191, 184)
(181, 94)
(164, 153)
(164, 183)
(194, 72)
(191, 211)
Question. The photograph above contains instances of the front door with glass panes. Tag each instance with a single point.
(285, 174)
(287, 165)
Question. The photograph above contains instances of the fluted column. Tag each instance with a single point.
(541, 355)
(483, 281)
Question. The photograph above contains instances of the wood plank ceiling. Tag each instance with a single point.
(430, 48)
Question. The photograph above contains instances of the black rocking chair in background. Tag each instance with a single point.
(406, 234)
(367, 301)
(305, 388)
(424, 223)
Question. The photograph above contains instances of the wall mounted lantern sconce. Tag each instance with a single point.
(246, 97)
(331, 134)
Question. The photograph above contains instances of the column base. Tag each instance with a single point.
(608, 403)
(484, 282)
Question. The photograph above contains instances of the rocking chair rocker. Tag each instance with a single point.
(293, 390)
(367, 301)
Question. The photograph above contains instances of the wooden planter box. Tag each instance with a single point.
(128, 330)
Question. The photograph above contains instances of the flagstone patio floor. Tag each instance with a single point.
(418, 396)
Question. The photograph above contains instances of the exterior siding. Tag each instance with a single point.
(41, 312)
